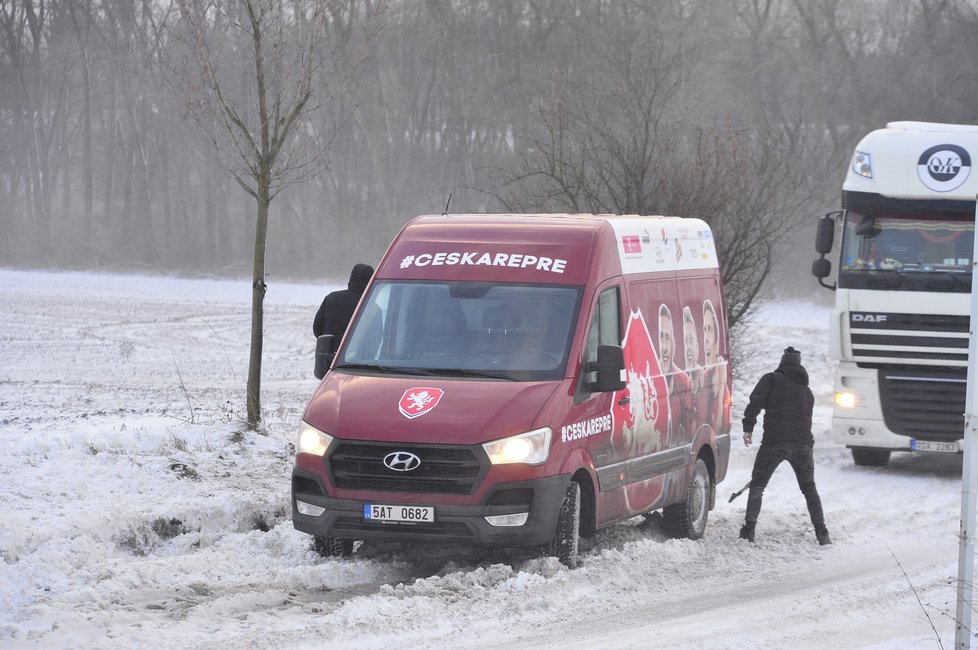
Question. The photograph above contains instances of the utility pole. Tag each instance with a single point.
(969, 478)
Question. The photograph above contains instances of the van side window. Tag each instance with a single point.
(605, 329)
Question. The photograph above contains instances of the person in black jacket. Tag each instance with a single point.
(337, 309)
(787, 402)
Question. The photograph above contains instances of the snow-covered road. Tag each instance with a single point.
(136, 510)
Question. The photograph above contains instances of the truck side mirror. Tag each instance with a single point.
(825, 235)
(821, 268)
(824, 238)
(610, 367)
(324, 355)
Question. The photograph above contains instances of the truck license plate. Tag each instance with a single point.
(412, 514)
(930, 445)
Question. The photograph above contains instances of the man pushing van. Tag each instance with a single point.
(787, 402)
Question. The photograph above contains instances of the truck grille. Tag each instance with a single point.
(926, 406)
(883, 339)
(444, 469)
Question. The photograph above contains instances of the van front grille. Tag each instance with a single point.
(448, 530)
(444, 469)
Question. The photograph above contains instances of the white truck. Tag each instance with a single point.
(900, 325)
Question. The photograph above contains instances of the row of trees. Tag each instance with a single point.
(102, 166)
(129, 128)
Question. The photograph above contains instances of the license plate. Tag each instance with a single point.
(930, 445)
(411, 514)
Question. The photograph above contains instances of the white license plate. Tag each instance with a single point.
(412, 514)
(929, 445)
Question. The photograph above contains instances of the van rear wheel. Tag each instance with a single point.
(332, 546)
(688, 517)
(565, 541)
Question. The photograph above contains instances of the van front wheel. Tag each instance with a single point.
(564, 544)
(688, 517)
(332, 546)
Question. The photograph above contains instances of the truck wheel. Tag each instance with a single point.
(688, 517)
(869, 457)
(332, 546)
(564, 544)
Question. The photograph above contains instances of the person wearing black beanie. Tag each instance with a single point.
(337, 309)
(787, 402)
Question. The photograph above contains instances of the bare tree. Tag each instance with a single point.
(629, 146)
(260, 129)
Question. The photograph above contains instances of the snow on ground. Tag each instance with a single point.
(137, 510)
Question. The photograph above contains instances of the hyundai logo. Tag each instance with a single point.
(402, 461)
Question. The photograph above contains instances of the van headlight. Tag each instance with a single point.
(531, 448)
(312, 440)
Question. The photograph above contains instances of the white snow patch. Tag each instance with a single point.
(137, 511)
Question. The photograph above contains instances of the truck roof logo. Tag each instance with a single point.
(944, 168)
(402, 461)
(415, 402)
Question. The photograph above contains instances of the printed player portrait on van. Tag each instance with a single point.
(677, 382)
(716, 367)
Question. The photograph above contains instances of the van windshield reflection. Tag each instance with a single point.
(464, 329)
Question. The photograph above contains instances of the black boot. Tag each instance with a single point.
(822, 535)
(747, 531)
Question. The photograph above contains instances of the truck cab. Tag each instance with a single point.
(900, 325)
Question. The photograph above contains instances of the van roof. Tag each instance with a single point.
(551, 248)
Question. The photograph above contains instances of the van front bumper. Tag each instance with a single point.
(462, 524)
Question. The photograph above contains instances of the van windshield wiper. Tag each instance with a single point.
(465, 372)
(393, 370)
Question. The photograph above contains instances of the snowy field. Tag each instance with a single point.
(135, 510)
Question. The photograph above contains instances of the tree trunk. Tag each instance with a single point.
(257, 313)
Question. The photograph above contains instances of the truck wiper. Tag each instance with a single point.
(957, 278)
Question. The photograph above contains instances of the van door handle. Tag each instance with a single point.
(624, 400)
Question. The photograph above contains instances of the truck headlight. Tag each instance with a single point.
(312, 440)
(531, 448)
(862, 164)
(846, 399)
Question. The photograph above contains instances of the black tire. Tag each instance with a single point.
(332, 546)
(688, 517)
(566, 537)
(869, 457)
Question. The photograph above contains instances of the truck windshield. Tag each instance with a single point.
(916, 252)
(456, 329)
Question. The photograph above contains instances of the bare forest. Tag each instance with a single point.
(743, 113)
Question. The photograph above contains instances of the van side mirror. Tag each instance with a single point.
(324, 355)
(610, 367)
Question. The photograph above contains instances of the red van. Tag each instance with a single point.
(520, 381)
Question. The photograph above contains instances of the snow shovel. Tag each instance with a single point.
(739, 492)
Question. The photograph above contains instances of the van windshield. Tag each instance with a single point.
(517, 332)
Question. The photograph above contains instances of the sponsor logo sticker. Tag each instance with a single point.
(415, 402)
(944, 168)
(631, 244)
